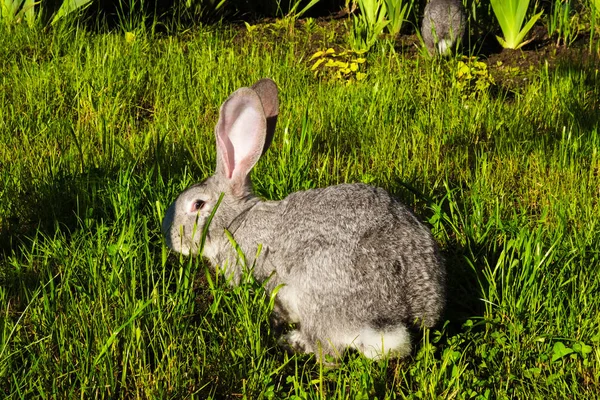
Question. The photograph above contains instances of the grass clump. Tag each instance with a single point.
(98, 135)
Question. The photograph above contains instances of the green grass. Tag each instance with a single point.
(98, 135)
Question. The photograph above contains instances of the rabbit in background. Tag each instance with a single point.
(356, 267)
(443, 26)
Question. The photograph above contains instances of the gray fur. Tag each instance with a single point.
(357, 267)
(443, 25)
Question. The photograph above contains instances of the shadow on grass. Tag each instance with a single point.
(464, 284)
(59, 205)
(43, 211)
(585, 105)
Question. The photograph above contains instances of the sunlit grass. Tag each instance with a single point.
(98, 135)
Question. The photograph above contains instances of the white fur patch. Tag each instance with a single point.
(290, 301)
(376, 344)
(444, 46)
(211, 251)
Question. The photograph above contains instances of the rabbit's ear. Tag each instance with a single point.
(266, 89)
(240, 135)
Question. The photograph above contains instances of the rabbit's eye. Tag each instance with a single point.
(197, 206)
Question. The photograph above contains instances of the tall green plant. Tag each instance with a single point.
(511, 15)
(397, 11)
(14, 11)
(294, 14)
(594, 23)
(68, 7)
(368, 24)
(563, 22)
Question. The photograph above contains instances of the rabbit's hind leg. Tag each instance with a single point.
(374, 344)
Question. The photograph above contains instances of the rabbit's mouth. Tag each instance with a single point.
(178, 240)
(174, 235)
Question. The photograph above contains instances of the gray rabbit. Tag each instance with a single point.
(356, 267)
(443, 25)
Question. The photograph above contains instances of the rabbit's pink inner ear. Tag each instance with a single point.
(240, 134)
(247, 136)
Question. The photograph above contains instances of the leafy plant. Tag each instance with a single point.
(578, 349)
(68, 7)
(397, 11)
(251, 28)
(374, 11)
(511, 15)
(473, 77)
(343, 66)
(368, 24)
(14, 11)
(309, 25)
